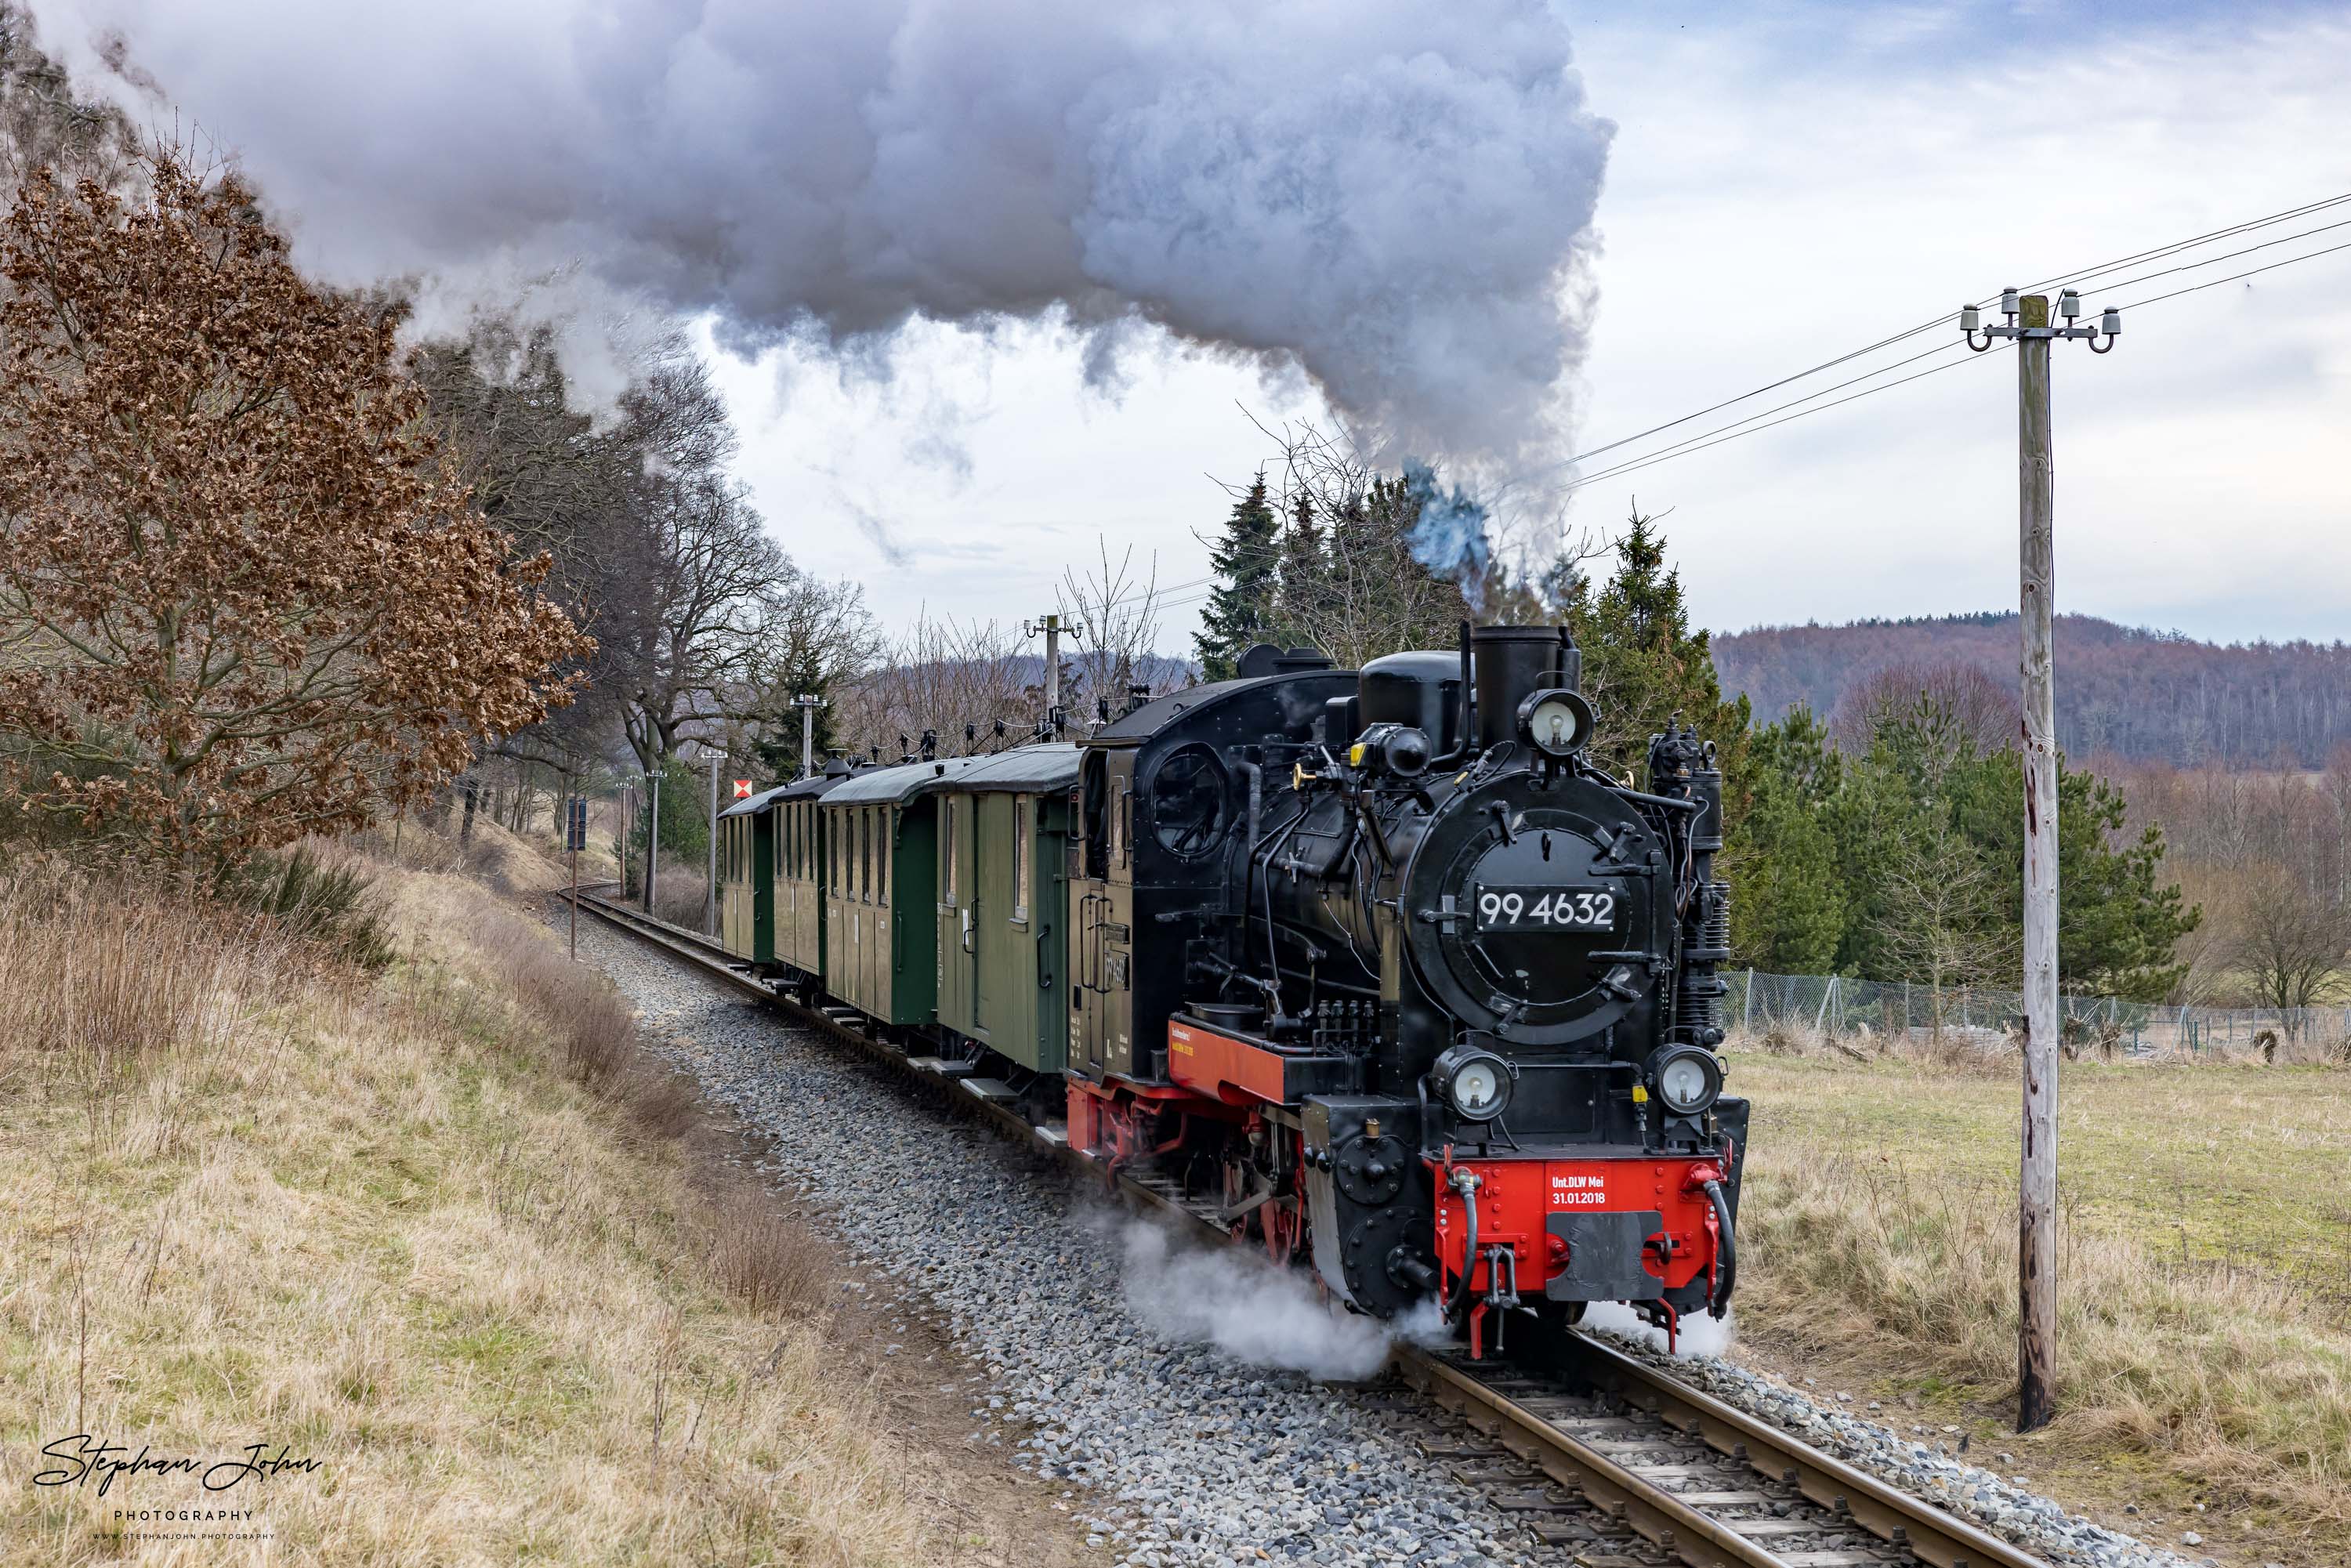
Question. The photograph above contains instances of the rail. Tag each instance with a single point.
(1707, 1483)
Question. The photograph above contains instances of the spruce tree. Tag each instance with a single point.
(1790, 912)
(1242, 607)
(1643, 665)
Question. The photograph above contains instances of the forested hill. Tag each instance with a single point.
(2120, 691)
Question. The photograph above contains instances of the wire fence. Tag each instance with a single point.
(1861, 1015)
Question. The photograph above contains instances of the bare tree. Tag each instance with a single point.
(1113, 616)
(956, 683)
(2290, 942)
(1977, 709)
(549, 474)
(1941, 920)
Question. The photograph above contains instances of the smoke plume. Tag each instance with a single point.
(1395, 196)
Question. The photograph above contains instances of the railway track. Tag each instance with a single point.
(1594, 1451)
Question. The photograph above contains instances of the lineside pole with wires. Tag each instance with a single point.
(2036, 1257)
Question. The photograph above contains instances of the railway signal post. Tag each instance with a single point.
(575, 839)
(2036, 1257)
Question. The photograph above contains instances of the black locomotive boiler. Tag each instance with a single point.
(1421, 994)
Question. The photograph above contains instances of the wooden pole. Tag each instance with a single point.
(2036, 1256)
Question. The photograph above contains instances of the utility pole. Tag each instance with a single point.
(1051, 627)
(807, 704)
(2036, 1214)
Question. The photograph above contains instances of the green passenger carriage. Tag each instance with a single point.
(878, 862)
(1002, 832)
(747, 904)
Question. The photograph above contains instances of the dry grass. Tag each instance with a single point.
(402, 1226)
(2205, 1245)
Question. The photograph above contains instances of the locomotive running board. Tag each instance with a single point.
(1237, 1068)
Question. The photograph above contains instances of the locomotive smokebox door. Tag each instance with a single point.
(1368, 1201)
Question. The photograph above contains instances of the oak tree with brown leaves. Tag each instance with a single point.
(243, 598)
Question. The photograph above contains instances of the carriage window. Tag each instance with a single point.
(948, 815)
(1020, 857)
(882, 849)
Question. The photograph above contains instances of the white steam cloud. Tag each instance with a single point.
(1698, 1337)
(1240, 1302)
(1396, 196)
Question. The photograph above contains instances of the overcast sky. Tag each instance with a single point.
(1380, 189)
(1785, 183)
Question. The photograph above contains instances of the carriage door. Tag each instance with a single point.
(1088, 885)
(956, 942)
(998, 908)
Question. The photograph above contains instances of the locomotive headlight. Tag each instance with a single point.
(1475, 1081)
(1687, 1078)
(1556, 723)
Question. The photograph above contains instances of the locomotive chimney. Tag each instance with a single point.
(1513, 664)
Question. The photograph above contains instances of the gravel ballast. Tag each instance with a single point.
(1175, 1450)
(1919, 1463)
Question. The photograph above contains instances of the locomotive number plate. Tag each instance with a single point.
(1546, 909)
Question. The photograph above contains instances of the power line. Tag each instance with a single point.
(1733, 431)
(1693, 442)
(1699, 443)
(2215, 283)
(1742, 397)
(2172, 248)
(2177, 245)
(1668, 456)
(2229, 255)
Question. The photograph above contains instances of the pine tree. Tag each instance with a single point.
(1242, 607)
(1643, 665)
(2117, 925)
(1790, 912)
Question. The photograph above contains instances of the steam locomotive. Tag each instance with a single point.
(1378, 963)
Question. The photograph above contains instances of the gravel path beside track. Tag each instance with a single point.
(1175, 1453)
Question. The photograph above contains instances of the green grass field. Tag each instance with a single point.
(2205, 1268)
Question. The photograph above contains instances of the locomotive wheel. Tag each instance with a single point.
(1280, 1223)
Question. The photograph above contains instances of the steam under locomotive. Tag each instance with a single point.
(1377, 961)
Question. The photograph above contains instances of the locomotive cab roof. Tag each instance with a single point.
(1133, 728)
